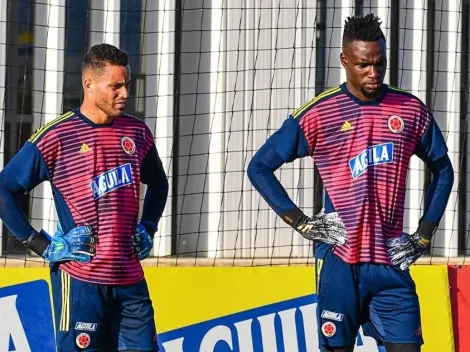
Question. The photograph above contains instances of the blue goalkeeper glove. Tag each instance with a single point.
(405, 250)
(142, 242)
(78, 244)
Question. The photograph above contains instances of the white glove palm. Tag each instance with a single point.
(327, 228)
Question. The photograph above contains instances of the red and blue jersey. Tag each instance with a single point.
(95, 171)
(362, 151)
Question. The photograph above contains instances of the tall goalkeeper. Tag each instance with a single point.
(95, 158)
(361, 135)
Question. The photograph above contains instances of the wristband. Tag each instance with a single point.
(427, 228)
(293, 217)
(37, 242)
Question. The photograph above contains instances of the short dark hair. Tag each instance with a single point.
(101, 54)
(364, 28)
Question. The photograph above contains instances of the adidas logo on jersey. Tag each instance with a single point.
(372, 156)
(85, 148)
(346, 126)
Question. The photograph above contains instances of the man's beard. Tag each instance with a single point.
(108, 109)
(372, 95)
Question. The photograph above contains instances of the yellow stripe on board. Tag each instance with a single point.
(304, 107)
(44, 128)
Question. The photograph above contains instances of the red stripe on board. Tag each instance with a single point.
(459, 281)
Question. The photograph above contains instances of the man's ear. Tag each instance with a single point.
(344, 59)
(87, 84)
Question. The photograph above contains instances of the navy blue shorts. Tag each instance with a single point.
(380, 298)
(92, 317)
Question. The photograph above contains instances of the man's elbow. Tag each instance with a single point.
(445, 172)
(162, 183)
(252, 169)
(158, 183)
(450, 175)
(166, 186)
(448, 169)
(7, 186)
(7, 193)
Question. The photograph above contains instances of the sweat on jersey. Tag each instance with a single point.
(95, 171)
(362, 151)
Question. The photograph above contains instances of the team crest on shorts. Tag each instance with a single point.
(328, 329)
(128, 145)
(395, 124)
(83, 340)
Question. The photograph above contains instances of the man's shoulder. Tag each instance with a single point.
(320, 99)
(405, 96)
(47, 128)
(131, 119)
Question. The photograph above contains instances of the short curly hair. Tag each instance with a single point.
(364, 28)
(101, 54)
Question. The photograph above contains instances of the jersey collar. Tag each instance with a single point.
(359, 101)
(91, 123)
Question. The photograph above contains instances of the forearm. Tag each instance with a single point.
(11, 212)
(261, 175)
(154, 203)
(437, 195)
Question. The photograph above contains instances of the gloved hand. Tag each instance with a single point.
(327, 228)
(142, 242)
(405, 250)
(78, 244)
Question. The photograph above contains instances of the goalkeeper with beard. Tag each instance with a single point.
(361, 135)
(95, 158)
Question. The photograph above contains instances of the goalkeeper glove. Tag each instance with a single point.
(327, 228)
(142, 242)
(405, 250)
(78, 244)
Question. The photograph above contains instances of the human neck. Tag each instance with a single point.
(94, 114)
(358, 94)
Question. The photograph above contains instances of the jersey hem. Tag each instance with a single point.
(360, 260)
(120, 282)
